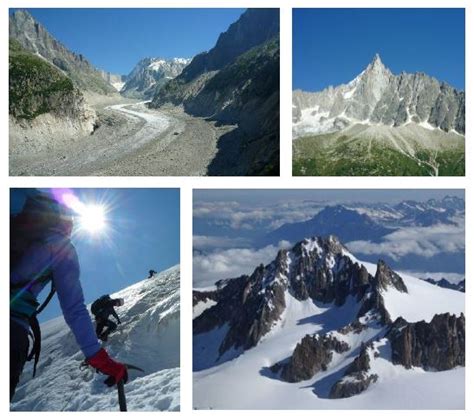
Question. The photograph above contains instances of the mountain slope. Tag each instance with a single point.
(316, 324)
(42, 100)
(150, 75)
(148, 338)
(35, 38)
(380, 124)
(237, 82)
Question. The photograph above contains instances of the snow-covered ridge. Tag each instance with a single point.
(148, 337)
(159, 63)
(221, 379)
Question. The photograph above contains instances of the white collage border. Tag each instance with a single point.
(187, 184)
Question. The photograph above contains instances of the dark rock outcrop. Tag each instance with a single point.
(204, 296)
(316, 268)
(356, 377)
(438, 345)
(311, 355)
(356, 327)
(386, 277)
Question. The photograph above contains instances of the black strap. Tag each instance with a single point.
(36, 329)
(51, 293)
(36, 350)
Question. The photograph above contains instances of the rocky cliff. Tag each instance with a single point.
(357, 377)
(237, 82)
(38, 89)
(378, 97)
(311, 355)
(436, 345)
(34, 37)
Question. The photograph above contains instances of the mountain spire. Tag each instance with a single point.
(377, 65)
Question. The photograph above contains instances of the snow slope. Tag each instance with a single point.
(246, 382)
(147, 338)
(432, 298)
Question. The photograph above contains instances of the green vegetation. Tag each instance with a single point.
(259, 64)
(314, 156)
(35, 86)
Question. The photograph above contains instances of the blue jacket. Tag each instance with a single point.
(57, 255)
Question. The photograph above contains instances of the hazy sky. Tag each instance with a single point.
(267, 196)
(116, 39)
(142, 234)
(332, 46)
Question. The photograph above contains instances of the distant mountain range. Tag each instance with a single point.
(150, 75)
(368, 221)
(372, 222)
(380, 124)
(348, 224)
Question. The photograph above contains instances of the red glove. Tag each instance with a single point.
(103, 363)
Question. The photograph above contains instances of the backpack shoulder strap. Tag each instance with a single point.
(51, 293)
(36, 329)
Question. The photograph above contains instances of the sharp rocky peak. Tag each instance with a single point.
(318, 268)
(377, 65)
(385, 277)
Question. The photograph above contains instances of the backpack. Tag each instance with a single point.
(39, 215)
(100, 304)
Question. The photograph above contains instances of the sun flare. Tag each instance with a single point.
(92, 218)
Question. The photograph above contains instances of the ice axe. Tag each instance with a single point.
(120, 385)
(121, 388)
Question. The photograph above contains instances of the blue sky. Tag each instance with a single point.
(142, 234)
(116, 39)
(332, 46)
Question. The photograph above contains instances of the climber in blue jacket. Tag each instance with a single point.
(41, 252)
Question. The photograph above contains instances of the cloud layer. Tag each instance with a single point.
(421, 241)
(207, 269)
(241, 216)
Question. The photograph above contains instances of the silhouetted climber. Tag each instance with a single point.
(151, 273)
(41, 253)
(102, 308)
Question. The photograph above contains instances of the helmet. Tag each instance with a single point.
(50, 211)
(119, 302)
